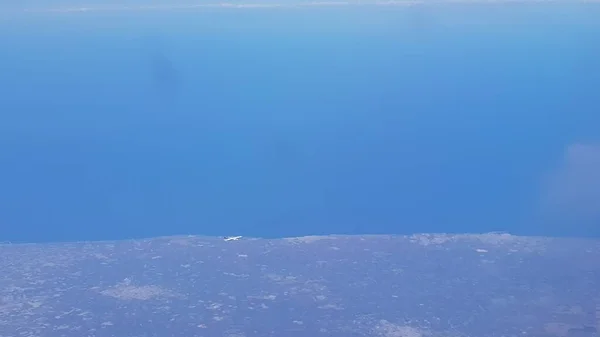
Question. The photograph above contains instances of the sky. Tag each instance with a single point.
(290, 121)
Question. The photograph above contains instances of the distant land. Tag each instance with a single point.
(494, 237)
(422, 285)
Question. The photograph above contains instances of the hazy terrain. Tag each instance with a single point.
(337, 286)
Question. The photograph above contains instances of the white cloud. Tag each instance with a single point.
(572, 190)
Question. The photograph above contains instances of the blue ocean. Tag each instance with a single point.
(300, 120)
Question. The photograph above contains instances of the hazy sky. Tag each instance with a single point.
(296, 121)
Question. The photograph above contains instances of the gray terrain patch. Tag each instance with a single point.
(337, 286)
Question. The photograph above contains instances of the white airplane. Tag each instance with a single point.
(232, 238)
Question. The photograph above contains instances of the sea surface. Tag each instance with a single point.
(297, 120)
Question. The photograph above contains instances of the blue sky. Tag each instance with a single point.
(280, 122)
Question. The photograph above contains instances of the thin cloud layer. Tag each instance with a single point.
(248, 4)
(572, 191)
